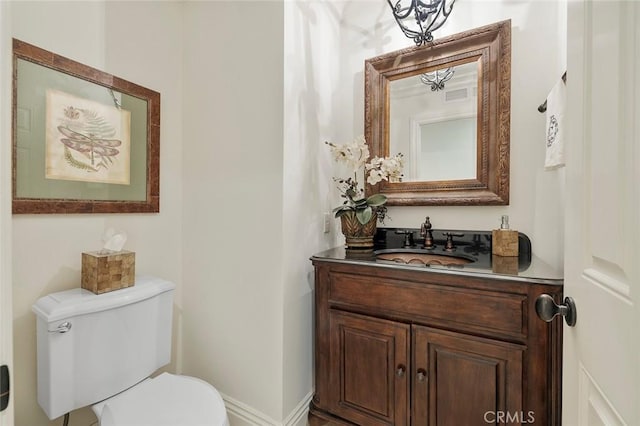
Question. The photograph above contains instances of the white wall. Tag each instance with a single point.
(233, 202)
(330, 86)
(140, 42)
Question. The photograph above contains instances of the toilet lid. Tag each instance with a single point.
(166, 400)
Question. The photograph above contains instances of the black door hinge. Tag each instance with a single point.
(4, 387)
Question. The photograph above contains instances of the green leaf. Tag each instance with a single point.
(377, 200)
(360, 203)
(365, 215)
(341, 210)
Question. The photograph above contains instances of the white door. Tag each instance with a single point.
(601, 365)
(6, 319)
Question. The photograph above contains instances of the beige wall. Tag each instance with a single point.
(232, 186)
(231, 275)
(138, 42)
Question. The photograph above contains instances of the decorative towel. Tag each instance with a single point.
(556, 126)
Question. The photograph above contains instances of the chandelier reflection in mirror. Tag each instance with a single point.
(419, 18)
(437, 78)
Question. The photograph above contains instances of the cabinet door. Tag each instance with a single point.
(465, 380)
(368, 377)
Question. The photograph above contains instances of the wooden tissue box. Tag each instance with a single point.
(104, 271)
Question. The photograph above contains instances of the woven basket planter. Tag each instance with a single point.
(357, 235)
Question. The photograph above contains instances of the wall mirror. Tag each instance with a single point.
(84, 141)
(446, 107)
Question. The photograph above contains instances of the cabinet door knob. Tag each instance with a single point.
(422, 375)
(400, 370)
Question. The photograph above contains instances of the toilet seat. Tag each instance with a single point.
(166, 400)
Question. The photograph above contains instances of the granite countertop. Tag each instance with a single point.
(470, 244)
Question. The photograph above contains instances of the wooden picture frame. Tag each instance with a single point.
(84, 141)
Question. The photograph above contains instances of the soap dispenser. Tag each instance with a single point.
(504, 241)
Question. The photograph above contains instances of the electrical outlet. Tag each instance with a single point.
(327, 223)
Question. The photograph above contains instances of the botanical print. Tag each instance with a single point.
(86, 140)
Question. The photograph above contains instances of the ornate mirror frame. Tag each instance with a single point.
(491, 47)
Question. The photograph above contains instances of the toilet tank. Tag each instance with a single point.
(115, 340)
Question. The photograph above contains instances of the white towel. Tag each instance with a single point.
(555, 126)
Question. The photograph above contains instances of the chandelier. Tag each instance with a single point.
(437, 78)
(419, 18)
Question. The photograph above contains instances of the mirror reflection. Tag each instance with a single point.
(433, 118)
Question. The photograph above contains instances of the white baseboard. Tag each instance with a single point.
(241, 414)
(298, 417)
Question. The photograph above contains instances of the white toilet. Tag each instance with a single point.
(100, 350)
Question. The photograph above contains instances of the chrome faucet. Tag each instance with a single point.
(427, 234)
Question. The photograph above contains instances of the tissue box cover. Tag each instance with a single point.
(104, 271)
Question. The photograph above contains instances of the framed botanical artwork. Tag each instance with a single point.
(84, 141)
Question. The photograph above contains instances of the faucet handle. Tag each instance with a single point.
(448, 245)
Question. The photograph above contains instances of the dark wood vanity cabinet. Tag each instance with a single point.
(407, 346)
